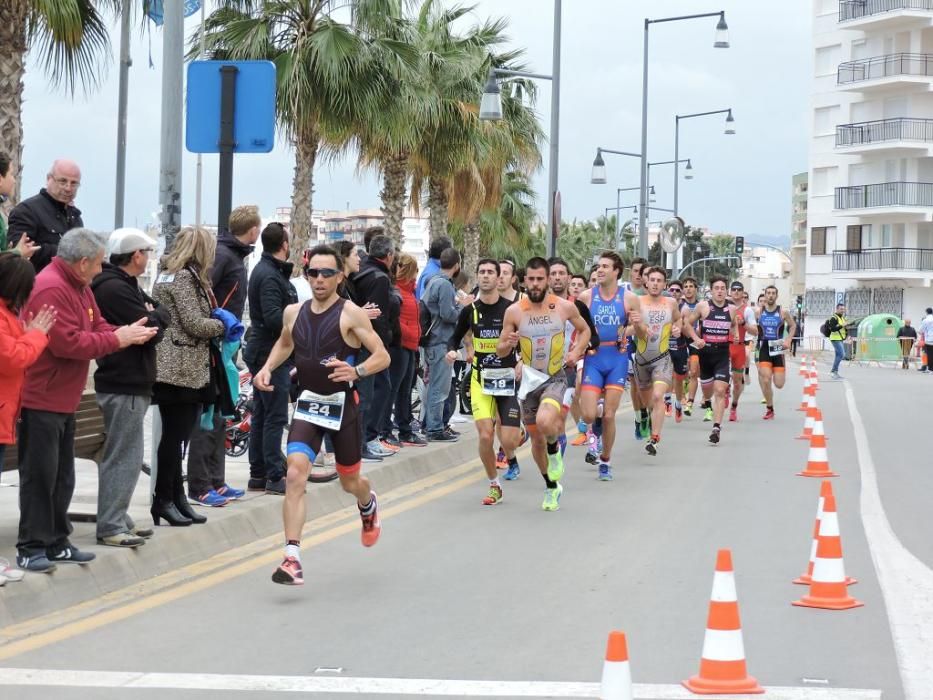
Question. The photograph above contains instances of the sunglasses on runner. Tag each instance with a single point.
(325, 272)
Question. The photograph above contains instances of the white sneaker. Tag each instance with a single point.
(457, 418)
(8, 573)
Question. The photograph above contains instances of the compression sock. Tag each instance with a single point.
(644, 415)
(706, 404)
(513, 462)
(292, 549)
(553, 447)
(550, 484)
(598, 427)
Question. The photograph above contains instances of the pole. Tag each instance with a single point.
(555, 133)
(643, 193)
(122, 99)
(173, 59)
(227, 144)
(199, 165)
(678, 254)
(618, 218)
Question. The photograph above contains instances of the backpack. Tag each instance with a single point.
(830, 326)
(424, 315)
(824, 328)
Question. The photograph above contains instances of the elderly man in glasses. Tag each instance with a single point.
(49, 215)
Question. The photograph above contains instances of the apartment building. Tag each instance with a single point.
(798, 233)
(870, 184)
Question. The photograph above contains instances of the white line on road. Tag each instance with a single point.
(906, 582)
(384, 686)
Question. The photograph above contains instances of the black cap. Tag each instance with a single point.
(737, 285)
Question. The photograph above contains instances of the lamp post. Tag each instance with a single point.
(721, 42)
(729, 131)
(493, 111)
(598, 175)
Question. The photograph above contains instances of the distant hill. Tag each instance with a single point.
(782, 242)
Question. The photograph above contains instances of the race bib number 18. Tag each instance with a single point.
(323, 411)
(499, 382)
(775, 347)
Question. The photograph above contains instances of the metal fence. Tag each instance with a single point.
(884, 67)
(916, 259)
(885, 194)
(901, 129)
(856, 9)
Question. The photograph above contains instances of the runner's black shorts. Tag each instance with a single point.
(714, 364)
(679, 357)
(766, 359)
(306, 438)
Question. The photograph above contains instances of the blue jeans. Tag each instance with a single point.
(401, 379)
(270, 416)
(438, 387)
(839, 347)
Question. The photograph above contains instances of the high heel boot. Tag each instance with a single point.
(167, 510)
(184, 507)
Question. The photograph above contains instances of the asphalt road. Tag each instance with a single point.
(455, 590)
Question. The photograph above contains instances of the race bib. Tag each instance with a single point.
(775, 347)
(498, 381)
(323, 411)
(531, 380)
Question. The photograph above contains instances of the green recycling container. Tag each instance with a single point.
(877, 338)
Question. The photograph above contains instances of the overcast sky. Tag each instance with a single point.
(742, 183)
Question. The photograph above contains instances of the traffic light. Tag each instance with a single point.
(739, 245)
(800, 302)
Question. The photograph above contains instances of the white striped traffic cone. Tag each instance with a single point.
(814, 376)
(826, 489)
(818, 457)
(810, 419)
(616, 682)
(806, 392)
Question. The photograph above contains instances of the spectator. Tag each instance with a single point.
(46, 217)
(837, 336)
(351, 267)
(185, 381)
(440, 300)
(926, 334)
(269, 294)
(369, 234)
(404, 360)
(373, 284)
(433, 266)
(47, 430)
(907, 335)
(24, 246)
(123, 384)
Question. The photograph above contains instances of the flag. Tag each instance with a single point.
(153, 9)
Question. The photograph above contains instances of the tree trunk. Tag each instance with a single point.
(471, 248)
(394, 181)
(437, 203)
(12, 69)
(300, 229)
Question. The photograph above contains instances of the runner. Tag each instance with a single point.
(593, 280)
(690, 302)
(717, 327)
(680, 355)
(577, 285)
(507, 283)
(772, 343)
(636, 285)
(606, 371)
(493, 379)
(536, 326)
(325, 334)
(654, 372)
(745, 323)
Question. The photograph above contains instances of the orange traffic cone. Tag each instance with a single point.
(828, 589)
(806, 393)
(617, 676)
(826, 489)
(814, 376)
(722, 666)
(809, 421)
(803, 367)
(818, 458)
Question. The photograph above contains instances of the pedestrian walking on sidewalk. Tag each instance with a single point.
(907, 336)
(926, 335)
(838, 333)
(123, 384)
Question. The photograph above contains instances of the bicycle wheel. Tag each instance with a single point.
(466, 407)
(321, 474)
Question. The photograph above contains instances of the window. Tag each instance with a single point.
(827, 59)
(824, 179)
(825, 120)
(818, 241)
(858, 237)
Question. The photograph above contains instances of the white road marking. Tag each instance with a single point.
(906, 582)
(384, 686)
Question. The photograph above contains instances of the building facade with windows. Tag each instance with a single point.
(798, 233)
(869, 212)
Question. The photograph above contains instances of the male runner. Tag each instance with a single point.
(325, 333)
(536, 326)
(493, 379)
(717, 328)
(577, 285)
(654, 372)
(593, 279)
(636, 285)
(507, 282)
(745, 323)
(772, 343)
(680, 356)
(606, 371)
(690, 302)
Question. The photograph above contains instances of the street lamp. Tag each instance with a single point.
(689, 174)
(598, 175)
(721, 42)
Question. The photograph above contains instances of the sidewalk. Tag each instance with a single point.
(255, 516)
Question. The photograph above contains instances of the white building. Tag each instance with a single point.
(764, 267)
(870, 209)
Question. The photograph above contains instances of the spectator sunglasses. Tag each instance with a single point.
(325, 272)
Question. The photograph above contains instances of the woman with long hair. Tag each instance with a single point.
(184, 383)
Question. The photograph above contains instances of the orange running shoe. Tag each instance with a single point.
(371, 525)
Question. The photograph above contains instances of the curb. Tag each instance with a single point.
(252, 518)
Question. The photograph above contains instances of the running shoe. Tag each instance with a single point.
(763, 401)
(390, 444)
(413, 440)
(579, 440)
(688, 409)
(494, 497)
(511, 474)
(605, 472)
(230, 493)
(371, 525)
(714, 436)
(592, 456)
(678, 413)
(501, 461)
(555, 466)
(211, 498)
(289, 573)
(733, 415)
(708, 416)
(668, 410)
(552, 498)
(652, 447)
(646, 427)
(638, 430)
(769, 414)
(592, 448)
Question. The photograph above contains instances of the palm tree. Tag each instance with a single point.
(72, 43)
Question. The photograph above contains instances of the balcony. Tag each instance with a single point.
(901, 260)
(896, 71)
(903, 136)
(871, 15)
(895, 202)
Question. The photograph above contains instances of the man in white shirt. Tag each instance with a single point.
(926, 332)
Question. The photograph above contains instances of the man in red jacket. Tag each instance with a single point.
(51, 394)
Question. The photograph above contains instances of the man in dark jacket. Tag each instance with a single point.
(123, 382)
(49, 215)
(374, 284)
(269, 293)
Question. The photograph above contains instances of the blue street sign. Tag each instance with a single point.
(154, 9)
(254, 126)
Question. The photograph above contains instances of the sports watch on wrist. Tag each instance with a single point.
(360, 371)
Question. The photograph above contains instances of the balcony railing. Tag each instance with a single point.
(856, 9)
(884, 67)
(901, 129)
(912, 259)
(885, 194)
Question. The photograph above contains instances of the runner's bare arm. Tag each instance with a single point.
(633, 310)
(700, 312)
(281, 351)
(676, 328)
(582, 341)
(359, 326)
(791, 328)
(508, 340)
